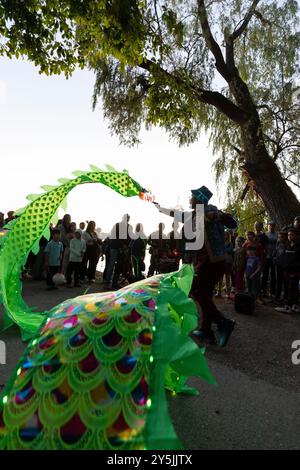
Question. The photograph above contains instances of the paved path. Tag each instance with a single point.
(257, 402)
(241, 413)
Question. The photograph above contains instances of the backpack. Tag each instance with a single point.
(244, 303)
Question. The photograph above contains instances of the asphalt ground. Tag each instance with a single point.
(256, 404)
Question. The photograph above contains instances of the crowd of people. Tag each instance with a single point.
(266, 264)
(75, 251)
(263, 264)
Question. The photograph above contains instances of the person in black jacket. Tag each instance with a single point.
(138, 251)
(157, 242)
(290, 262)
(295, 225)
(119, 253)
(208, 261)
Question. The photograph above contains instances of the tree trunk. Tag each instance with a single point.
(278, 198)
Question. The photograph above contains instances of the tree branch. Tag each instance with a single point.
(297, 146)
(293, 182)
(214, 98)
(211, 43)
(268, 108)
(263, 20)
(230, 62)
(239, 151)
(238, 32)
(223, 104)
(230, 38)
(158, 22)
(245, 191)
(280, 149)
(270, 139)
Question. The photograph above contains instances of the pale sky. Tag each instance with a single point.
(48, 130)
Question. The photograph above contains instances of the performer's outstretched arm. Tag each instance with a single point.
(177, 214)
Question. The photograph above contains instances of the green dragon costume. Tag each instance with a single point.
(26, 231)
(95, 371)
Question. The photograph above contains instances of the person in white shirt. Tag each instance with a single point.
(68, 236)
(77, 250)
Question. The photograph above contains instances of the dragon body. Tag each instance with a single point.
(26, 231)
(95, 372)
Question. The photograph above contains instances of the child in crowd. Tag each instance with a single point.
(253, 271)
(77, 250)
(251, 241)
(239, 263)
(291, 267)
(54, 250)
(228, 266)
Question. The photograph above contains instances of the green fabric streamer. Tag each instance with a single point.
(95, 374)
(25, 232)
